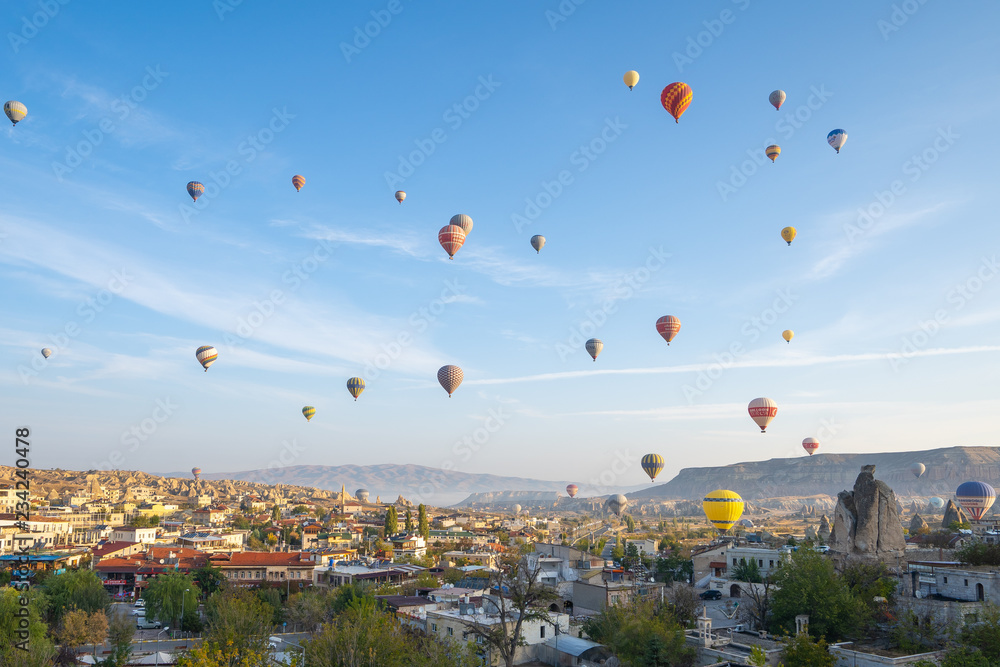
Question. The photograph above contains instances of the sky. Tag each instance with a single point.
(515, 114)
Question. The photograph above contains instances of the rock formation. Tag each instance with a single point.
(866, 522)
(824, 528)
(917, 524)
(811, 533)
(953, 513)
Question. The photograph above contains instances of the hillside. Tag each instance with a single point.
(831, 473)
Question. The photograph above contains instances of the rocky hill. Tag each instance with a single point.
(828, 474)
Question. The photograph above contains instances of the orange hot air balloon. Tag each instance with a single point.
(298, 182)
(451, 238)
(676, 98)
(668, 326)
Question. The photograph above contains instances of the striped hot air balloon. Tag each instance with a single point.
(572, 490)
(400, 196)
(207, 355)
(788, 234)
(837, 138)
(196, 472)
(298, 181)
(676, 98)
(451, 238)
(355, 385)
(723, 508)
(668, 326)
(976, 498)
(594, 347)
(616, 503)
(538, 242)
(776, 98)
(652, 464)
(450, 377)
(308, 412)
(762, 411)
(15, 111)
(773, 151)
(46, 352)
(810, 445)
(195, 189)
(463, 221)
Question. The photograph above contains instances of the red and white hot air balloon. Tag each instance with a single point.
(450, 377)
(668, 326)
(762, 411)
(451, 238)
(810, 445)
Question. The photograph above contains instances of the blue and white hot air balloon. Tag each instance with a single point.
(976, 498)
(837, 138)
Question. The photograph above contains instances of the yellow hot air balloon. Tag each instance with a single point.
(298, 181)
(308, 412)
(772, 151)
(788, 234)
(788, 334)
(631, 78)
(723, 508)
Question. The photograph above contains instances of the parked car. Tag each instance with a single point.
(144, 623)
(140, 602)
(822, 548)
(139, 612)
(711, 594)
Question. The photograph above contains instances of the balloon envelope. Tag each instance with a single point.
(517, 509)
(976, 498)
(298, 182)
(668, 326)
(195, 189)
(15, 111)
(836, 138)
(776, 98)
(196, 472)
(46, 352)
(937, 503)
(400, 196)
(538, 242)
(723, 508)
(631, 78)
(676, 98)
(450, 378)
(355, 385)
(206, 355)
(594, 347)
(762, 411)
(652, 464)
(788, 335)
(616, 503)
(572, 490)
(810, 445)
(451, 238)
(772, 151)
(308, 412)
(918, 469)
(362, 495)
(788, 234)
(463, 221)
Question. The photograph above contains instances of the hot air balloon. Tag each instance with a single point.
(776, 98)
(517, 509)
(15, 111)
(616, 503)
(400, 196)
(631, 78)
(652, 464)
(594, 347)
(762, 411)
(788, 335)
(788, 234)
(918, 469)
(463, 221)
(355, 385)
(450, 377)
(746, 523)
(810, 445)
(773, 151)
(46, 352)
(207, 355)
(196, 472)
(976, 498)
(668, 326)
(676, 98)
(451, 238)
(362, 495)
(308, 412)
(298, 181)
(572, 490)
(836, 138)
(538, 242)
(195, 189)
(937, 503)
(723, 508)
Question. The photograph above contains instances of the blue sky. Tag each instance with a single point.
(482, 108)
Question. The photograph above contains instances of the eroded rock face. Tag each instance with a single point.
(866, 521)
(917, 524)
(824, 528)
(953, 513)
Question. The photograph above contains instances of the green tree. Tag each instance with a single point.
(209, 579)
(300, 509)
(275, 513)
(408, 522)
(874, 587)
(984, 634)
(121, 631)
(807, 584)
(641, 633)
(979, 553)
(168, 594)
(803, 651)
(74, 589)
(35, 651)
(630, 523)
(423, 527)
(78, 628)
(238, 622)
(308, 609)
(391, 521)
(748, 571)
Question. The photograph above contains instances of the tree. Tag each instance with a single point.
(75, 589)
(391, 521)
(408, 525)
(168, 594)
(757, 657)
(802, 651)
(807, 584)
(272, 540)
(453, 575)
(872, 585)
(525, 600)
(239, 622)
(979, 553)
(35, 651)
(642, 632)
(984, 634)
(308, 609)
(121, 631)
(748, 571)
(630, 523)
(423, 527)
(758, 612)
(674, 568)
(209, 579)
(300, 509)
(79, 628)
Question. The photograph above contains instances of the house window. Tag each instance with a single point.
(451, 631)
(966, 582)
(242, 574)
(761, 562)
(946, 580)
(770, 563)
(734, 562)
(434, 627)
(542, 632)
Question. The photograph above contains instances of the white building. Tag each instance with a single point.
(133, 534)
